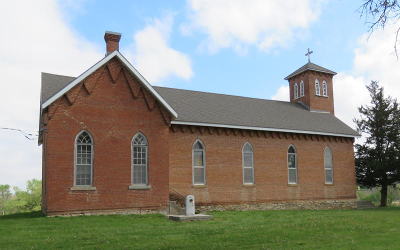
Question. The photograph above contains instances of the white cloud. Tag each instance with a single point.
(152, 55)
(35, 38)
(349, 93)
(282, 94)
(239, 23)
(374, 60)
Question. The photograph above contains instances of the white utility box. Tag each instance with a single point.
(190, 209)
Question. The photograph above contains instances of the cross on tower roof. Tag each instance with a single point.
(309, 52)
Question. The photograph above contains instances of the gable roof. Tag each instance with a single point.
(66, 87)
(219, 110)
(310, 66)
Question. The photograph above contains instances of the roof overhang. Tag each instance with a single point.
(262, 129)
(322, 70)
(99, 64)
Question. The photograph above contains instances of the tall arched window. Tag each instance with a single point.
(199, 168)
(292, 165)
(301, 89)
(317, 88)
(139, 159)
(248, 164)
(324, 88)
(328, 166)
(83, 159)
(296, 91)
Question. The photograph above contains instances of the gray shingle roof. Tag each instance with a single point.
(51, 84)
(203, 107)
(310, 66)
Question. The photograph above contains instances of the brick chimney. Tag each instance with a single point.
(112, 41)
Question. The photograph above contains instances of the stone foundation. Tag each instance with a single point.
(108, 212)
(273, 205)
(281, 205)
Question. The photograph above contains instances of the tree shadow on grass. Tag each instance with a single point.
(26, 215)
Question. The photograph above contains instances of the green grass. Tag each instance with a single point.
(330, 229)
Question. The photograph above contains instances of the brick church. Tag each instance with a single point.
(112, 142)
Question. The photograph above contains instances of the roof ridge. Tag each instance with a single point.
(205, 92)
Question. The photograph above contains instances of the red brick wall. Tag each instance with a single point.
(314, 102)
(111, 105)
(224, 166)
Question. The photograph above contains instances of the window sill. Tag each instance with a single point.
(248, 185)
(83, 188)
(199, 185)
(292, 184)
(139, 187)
(329, 184)
(325, 96)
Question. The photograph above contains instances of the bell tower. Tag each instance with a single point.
(312, 86)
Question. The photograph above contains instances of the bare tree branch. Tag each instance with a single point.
(379, 12)
(27, 135)
(395, 43)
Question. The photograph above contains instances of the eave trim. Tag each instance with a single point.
(260, 128)
(298, 73)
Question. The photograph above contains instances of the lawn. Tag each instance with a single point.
(329, 229)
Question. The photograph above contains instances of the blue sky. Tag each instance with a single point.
(330, 37)
(239, 47)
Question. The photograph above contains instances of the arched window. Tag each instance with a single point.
(328, 166)
(296, 91)
(324, 88)
(292, 165)
(301, 89)
(199, 168)
(139, 159)
(248, 164)
(83, 159)
(317, 88)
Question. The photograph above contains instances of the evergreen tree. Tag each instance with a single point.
(377, 159)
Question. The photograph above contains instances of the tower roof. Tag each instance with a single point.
(310, 66)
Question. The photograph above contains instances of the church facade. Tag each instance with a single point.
(112, 142)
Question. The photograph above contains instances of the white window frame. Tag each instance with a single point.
(317, 88)
(202, 167)
(296, 91)
(76, 158)
(296, 166)
(324, 88)
(132, 160)
(247, 167)
(325, 164)
(301, 88)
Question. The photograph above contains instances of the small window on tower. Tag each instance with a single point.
(324, 88)
(301, 89)
(317, 88)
